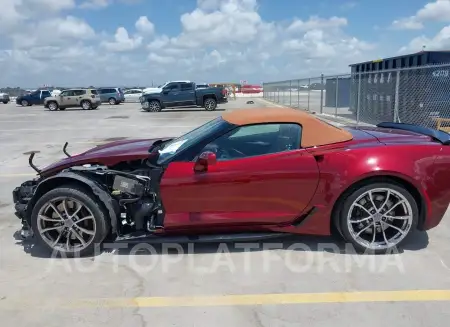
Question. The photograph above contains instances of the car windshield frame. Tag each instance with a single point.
(171, 149)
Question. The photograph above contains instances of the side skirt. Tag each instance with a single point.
(149, 238)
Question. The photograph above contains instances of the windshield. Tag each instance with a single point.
(175, 146)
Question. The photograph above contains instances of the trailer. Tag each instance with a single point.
(413, 88)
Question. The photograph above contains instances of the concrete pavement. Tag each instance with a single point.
(289, 282)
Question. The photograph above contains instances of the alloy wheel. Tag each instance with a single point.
(86, 105)
(380, 218)
(66, 224)
(154, 106)
(52, 106)
(209, 104)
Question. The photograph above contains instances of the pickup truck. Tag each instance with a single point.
(34, 98)
(183, 94)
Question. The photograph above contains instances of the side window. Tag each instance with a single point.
(94, 92)
(68, 93)
(171, 87)
(256, 140)
(46, 94)
(186, 86)
(79, 92)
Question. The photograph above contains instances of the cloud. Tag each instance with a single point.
(315, 23)
(144, 26)
(218, 40)
(441, 41)
(438, 11)
(122, 41)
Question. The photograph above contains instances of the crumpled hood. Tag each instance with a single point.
(108, 154)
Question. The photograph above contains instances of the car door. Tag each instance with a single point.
(35, 97)
(171, 94)
(78, 97)
(186, 96)
(67, 99)
(262, 176)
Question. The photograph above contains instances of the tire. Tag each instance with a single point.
(5, 102)
(86, 105)
(98, 225)
(152, 106)
(24, 103)
(52, 106)
(112, 101)
(367, 217)
(210, 104)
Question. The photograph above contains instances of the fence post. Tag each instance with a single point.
(309, 91)
(321, 94)
(359, 99)
(290, 93)
(336, 97)
(278, 96)
(396, 100)
(298, 94)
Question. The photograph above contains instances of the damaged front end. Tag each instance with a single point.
(128, 192)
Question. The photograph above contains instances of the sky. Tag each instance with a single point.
(148, 42)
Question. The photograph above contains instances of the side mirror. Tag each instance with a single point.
(205, 160)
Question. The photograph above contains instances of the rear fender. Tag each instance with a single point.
(64, 178)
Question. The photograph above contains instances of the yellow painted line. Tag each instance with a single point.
(237, 300)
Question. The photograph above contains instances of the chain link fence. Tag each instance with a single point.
(417, 95)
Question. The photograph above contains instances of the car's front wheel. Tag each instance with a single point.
(52, 106)
(69, 221)
(152, 106)
(378, 217)
(24, 103)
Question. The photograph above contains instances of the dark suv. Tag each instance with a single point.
(111, 95)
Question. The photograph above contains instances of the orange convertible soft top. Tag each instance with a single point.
(315, 132)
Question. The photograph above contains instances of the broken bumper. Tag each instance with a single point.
(21, 198)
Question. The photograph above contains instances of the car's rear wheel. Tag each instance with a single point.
(24, 103)
(5, 102)
(112, 101)
(52, 106)
(86, 105)
(210, 104)
(378, 217)
(69, 221)
(152, 106)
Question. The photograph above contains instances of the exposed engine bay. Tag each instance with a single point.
(129, 190)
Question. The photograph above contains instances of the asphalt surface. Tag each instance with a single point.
(298, 281)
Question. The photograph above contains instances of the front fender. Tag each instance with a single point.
(64, 178)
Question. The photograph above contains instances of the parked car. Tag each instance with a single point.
(183, 94)
(160, 87)
(34, 98)
(111, 95)
(74, 98)
(247, 174)
(4, 98)
(132, 95)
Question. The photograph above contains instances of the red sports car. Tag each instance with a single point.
(247, 174)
